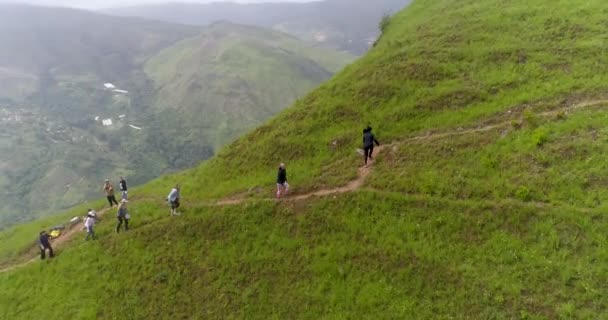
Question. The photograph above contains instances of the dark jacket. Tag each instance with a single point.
(122, 212)
(123, 185)
(369, 139)
(282, 176)
(44, 240)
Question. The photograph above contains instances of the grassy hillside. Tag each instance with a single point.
(487, 200)
(55, 62)
(231, 78)
(350, 25)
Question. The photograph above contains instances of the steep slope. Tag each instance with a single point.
(350, 25)
(487, 200)
(69, 70)
(230, 78)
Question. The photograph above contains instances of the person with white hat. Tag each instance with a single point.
(89, 223)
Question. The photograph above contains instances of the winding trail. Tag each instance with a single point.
(59, 242)
(357, 183)
(352, 185)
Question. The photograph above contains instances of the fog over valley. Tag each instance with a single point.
(100, 4)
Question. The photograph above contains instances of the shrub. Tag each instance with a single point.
(384, 22)
(540, 137)
(523, 193)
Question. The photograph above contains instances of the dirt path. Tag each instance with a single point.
(508, 123)
(57, 243)
(353, 185)
(362, 174)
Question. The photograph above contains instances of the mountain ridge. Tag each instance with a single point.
(344, 25)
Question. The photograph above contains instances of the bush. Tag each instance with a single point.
(540, 137)
(523, 193)
(384, 22)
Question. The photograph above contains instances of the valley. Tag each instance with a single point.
(125, 100)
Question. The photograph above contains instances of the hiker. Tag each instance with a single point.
(282, 184)
(122, 215)
(89, 223)
(371, 151)
(123, 188)
(173, 199)
(45, 243)
(109, 190)
(368, 144)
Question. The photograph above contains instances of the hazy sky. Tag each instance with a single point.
(97, 4)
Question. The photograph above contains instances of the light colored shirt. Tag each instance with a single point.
(108, 189)
(174, 195)
(89, 222)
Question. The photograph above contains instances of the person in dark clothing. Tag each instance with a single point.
(45, 244)
(371, 151)
(123, 188)
(123, 216)
(282, 185)
(368, 144)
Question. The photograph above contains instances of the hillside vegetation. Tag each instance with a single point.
(231, 78)
(486, 201)
(54, 149)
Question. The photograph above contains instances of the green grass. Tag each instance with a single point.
(389, 256)
(559, 161)
(18, 240)
(507, 223)
(422, 76)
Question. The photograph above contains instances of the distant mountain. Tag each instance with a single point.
(86, 96)
(44, 44)
(230, 78)
(350, 25)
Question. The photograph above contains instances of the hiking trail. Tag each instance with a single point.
(59, 242)
(357, 183)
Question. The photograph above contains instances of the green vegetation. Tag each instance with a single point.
(486, 201)
(190, 99)
(17, 241)
(231, 78)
